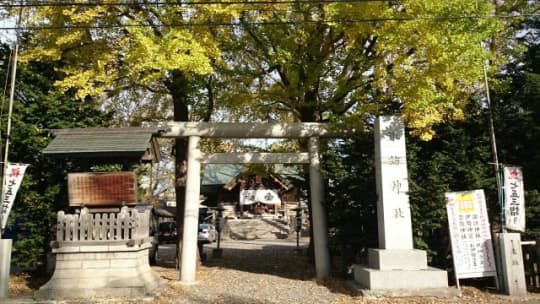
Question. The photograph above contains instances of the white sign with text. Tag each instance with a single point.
(470, 234)
(12, 180)
(514, 199)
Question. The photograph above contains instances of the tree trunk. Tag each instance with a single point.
(178, 87)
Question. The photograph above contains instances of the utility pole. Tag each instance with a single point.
(494, 150)
(6, 244)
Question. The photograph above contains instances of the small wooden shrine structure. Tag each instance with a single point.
(102, 250)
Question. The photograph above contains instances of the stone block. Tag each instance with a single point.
(122, 255)
(443, 292)
(404, 259)
(94, 248)
(125, 273)
(99, 280)
(96, 264)
(124, 263)
(62, 264)
(513, 271)
(375, 279)
(122, 248)
(76, 256)
(66, 249)
(77, 273)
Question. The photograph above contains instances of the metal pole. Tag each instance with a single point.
(10, 112)
(191, 214)
(494, 150)
(219, 227)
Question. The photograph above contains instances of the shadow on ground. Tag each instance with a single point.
(282, 261)
(278, 258)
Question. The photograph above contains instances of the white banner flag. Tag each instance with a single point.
(265, 196)
(470, 234)
(269, 197)
(247, 197)
(12, 180)
(514, 199)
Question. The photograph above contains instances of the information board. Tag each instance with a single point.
(472, 249)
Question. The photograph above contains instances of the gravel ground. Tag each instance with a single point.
(268, 272)
(258, 272)
(261, 272)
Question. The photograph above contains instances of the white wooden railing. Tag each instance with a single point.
(128, 224)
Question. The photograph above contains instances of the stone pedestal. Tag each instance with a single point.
(397, 269)
(400, 272)
(512, 270)
(101, 270)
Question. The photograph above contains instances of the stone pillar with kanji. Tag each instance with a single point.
(395, 268)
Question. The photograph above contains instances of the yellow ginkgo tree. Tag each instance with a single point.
(313, 61)
(120, 50)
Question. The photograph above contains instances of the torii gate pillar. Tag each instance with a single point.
(320, 233)
(191, 214)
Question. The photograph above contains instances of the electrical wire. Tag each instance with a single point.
(28, 4)
(220, 24)
(163, 3)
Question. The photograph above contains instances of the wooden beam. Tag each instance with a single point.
(255, 158)
(249, 130)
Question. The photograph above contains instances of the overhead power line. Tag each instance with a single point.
(163, 3)
(219, 24)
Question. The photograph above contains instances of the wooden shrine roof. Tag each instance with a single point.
(131, 143)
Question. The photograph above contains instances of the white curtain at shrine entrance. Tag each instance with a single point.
(265, 196)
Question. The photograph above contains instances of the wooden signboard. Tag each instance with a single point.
(102, 189)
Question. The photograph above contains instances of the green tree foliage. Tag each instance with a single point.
(39, 106)
(517, 118)
(351, 200)
(458, 159)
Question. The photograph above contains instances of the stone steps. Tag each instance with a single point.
(257, 228)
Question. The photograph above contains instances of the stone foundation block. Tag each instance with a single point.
(371, 278)
(100, 273)
(394, 259)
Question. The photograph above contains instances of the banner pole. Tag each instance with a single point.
(501, 198)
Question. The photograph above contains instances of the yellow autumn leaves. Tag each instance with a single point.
(428, 54)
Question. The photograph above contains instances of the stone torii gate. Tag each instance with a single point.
(196, 130)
